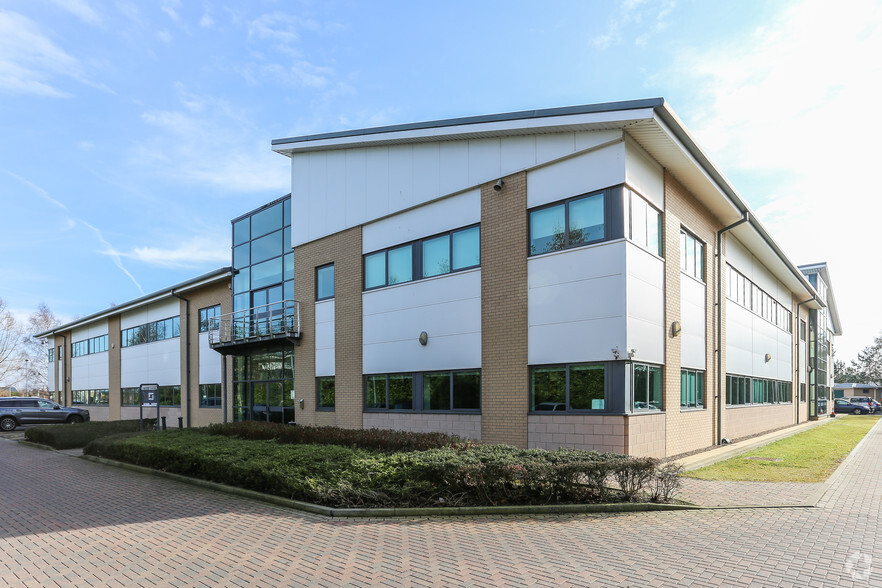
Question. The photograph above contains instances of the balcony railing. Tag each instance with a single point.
(278, 320)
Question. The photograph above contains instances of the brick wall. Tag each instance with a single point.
(462, 425)
(344, 251)
(114, 369)
(591, 432)
(504, 371)
(217, 293)
(646, 434)
(694, 429)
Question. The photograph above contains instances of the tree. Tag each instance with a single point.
(866, 368)
(40, 321)
(11, 358)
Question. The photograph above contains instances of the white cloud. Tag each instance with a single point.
(651, 17)
(792, 102)
(206, 21)
(29, 59)
(81, 9)
(194, 252)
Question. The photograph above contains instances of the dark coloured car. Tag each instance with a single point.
(17, 411)
(843, 406)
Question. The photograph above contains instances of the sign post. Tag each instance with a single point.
(149, 397)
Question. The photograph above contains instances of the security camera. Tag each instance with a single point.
(498, 185)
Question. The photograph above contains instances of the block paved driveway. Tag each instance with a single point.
(70, 522)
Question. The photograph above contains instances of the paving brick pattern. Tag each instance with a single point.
(70, 522)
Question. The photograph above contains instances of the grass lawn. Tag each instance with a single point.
(806, 457)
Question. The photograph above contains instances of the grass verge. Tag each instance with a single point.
(810, 456)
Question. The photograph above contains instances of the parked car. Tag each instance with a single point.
(876, 405)
(844, 406)
(862, 400)
(16, 410)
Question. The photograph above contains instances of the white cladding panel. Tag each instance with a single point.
(644, 174)
(153, 312)
(325, 363)
(437, 217)
(151, 363)
(95, 329)
(576, 304)
(209, 362)
(90, 372)
(742, 260)
(749, 338)
(646, 305)
(333, 190)
(576, 175)
(693, 321)
(448, 308)
(51, 375)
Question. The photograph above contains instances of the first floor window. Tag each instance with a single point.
(206, 315)
(647, 387)
(691, 389)
(568, 387)
(571, 223)
(326, 393)
(324, 282)
(209, 395)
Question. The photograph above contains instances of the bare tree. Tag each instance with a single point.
(11, 349)
(40, 321)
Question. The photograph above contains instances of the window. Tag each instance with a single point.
(755, 299)
(569, 387)
(206, 315)
(802, 392)
(647, 387)
(51, 354)
(148, 333)
(645, 226)
(89, 346)
(574, 222)
(169, 395)
(425, 391)
(747, 390)
(802, 330)
(130, 396)
(324, 282)
(434, 256)
(691, 389)
(325, 393)
(691, 255)
(93, 397)
(60, 352)
(209, 395)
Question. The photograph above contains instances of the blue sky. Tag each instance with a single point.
(131, 133)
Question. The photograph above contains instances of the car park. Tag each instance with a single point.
(844, 406)
(865, 401)
(16, 411)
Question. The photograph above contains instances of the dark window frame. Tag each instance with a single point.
(417, 392)
(567, 391)
(608, 233)
(661, 380)
(319, 406)
(697, 406)
(205, 316)
(318, 270)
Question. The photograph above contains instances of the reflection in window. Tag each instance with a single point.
(691, 389)
(436, 256)
(574, 387)
(647, 387)
(326, 395)
(401, 264)
(324, 278)
(571, 223)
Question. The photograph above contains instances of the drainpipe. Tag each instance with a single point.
(187, 351)
(719, 395)
(66, 375)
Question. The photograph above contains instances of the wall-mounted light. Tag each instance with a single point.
(675, 328)
(498, 185)
(768, 357)
(631, 353)
(424, 338)
(615, 352)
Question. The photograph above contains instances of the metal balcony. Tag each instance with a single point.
(236, 332)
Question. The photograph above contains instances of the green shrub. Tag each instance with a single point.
(348, 476)
(72, 436)
(381, 439)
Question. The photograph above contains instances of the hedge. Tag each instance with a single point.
(75, 435)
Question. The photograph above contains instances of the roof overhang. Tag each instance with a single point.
(218, 275)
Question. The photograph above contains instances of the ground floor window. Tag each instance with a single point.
(130, 396)
(209, 395)
(458, 390)
(94, 397)
(647, 387)
(568, 387)
(263, 387)
(691, 389)
(802, 392)
(325, 393)
(748, 390)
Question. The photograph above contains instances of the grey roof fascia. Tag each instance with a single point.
(146, 299)
(471, 120)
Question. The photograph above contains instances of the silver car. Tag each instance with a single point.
(16, 410)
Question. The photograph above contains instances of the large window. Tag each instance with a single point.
(691, 389)
(647, 387)
(148, 333)
(436, 391)
(433, 256)
(326, 394)
(210, 395)
(747, 390)
(691, 256)
(205, 316)
(643, 222)
(324, 282)
(130, 396)
(570, 223)
(745, 293)
(567, 387)
(89, 346)
(93, 397)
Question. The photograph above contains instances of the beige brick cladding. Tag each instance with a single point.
(211, 295)
(646, 434)
(695, 429)
(344, 251)
(504, 371)
(114, 364)
(462, 425)
(578, 431)
(742, 421)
